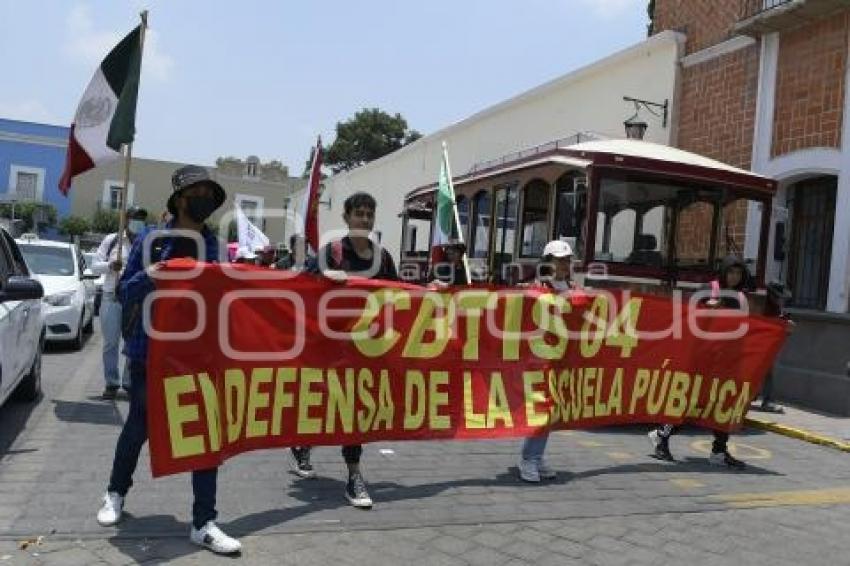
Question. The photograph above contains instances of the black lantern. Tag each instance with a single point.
(635, 128)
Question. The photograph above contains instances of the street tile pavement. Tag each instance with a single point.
(436, 502)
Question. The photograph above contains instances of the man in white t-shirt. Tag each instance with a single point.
(106, 262)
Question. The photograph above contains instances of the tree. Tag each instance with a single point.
(31, 213)
(370, 134)
(74, 226)
(105, 221)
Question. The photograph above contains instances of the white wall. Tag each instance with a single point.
(589, 99)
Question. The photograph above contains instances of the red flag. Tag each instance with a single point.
(310, 208)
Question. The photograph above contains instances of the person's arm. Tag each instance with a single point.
(390, 272)
(135, 283)
(100, 265)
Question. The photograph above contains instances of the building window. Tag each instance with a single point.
(111, 199)
(480, 236)
(463, 215)
(252, 206)
(27, 183)
(27, 186)
(115, 198)
(535, 211)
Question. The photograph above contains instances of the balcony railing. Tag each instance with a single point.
(765, 16)
(750, 8)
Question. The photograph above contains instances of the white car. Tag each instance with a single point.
(69, 288)
(90, 258)
(21, 325)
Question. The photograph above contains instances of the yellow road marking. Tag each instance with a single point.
(686, 483)
(737, 449)
(829, 496)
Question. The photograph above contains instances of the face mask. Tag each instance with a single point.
(200, 208)
(136, 226)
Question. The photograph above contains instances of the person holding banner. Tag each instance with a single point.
(355, 254)
(196, 196)
(727, 292)
(451, 271)
(553, 272)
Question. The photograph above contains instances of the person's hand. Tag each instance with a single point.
(153, 268)
(116, 265)
(336, 275)
(789, 326)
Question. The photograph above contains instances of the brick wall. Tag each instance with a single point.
(810, 85)
(705, 22)
(717, 107)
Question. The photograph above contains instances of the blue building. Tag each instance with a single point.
(32, 157)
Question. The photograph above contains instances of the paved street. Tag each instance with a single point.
(440, 503)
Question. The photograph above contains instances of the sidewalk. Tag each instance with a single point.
(804, 424)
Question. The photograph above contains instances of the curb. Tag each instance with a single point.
(798, 433)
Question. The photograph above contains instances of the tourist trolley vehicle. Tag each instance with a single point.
(637, 214)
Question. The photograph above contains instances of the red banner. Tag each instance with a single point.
(242, 359)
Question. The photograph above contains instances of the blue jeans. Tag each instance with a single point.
(133, 437)
(534, 446)
(110, 327)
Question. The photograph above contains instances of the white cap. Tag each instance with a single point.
(557, 248)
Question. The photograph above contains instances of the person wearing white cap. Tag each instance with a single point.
(553, 272)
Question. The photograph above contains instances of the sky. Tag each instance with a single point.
(263, 78)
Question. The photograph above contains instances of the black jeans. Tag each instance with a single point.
(721, 439)
(352, 453)
(133, 437)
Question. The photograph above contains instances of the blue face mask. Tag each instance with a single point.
(136, 226)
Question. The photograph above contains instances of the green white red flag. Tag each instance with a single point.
(106, 116)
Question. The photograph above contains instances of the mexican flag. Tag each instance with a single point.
(445, 212)
(106, 115)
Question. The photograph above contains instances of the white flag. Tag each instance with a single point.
(250, 237)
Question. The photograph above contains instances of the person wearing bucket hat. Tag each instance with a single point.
(553, 272)
(195, 197)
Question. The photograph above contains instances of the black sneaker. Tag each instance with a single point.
(110, 393)
(355, 492)
(726, 459)
(660, 447)
(299, 458)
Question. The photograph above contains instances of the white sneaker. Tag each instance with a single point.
(529, 471)
(545, 472)
(211, 537)
(111, 510)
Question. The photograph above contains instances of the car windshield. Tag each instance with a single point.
(48, 260)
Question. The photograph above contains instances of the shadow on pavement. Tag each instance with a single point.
(101, 413)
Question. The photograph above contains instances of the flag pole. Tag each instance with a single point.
(128, 154)
(456, 214)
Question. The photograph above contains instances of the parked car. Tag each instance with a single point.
(21, 325)
(89, 257)
(68, 288)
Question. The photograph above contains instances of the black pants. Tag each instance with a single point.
(133, 437)
(351, 454)
(721, 439)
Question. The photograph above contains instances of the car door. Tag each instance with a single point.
(30, 317)
(9, 360)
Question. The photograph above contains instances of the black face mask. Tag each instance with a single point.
(200, 208)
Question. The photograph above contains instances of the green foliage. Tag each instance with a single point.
(74, 226)
(105, 221)
(369, 135)
(29, 212)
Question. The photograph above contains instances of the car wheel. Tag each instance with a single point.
(29, 389)
(77, 343)
(89, 327)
